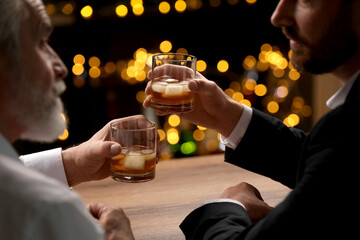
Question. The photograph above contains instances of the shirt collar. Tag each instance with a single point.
(7, 149)
(340, 96)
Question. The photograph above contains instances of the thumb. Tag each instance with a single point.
(104, 149)
(201, 85)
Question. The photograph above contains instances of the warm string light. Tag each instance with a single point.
(181, 136)
(138, 8)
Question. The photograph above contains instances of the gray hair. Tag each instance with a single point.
(12, 14)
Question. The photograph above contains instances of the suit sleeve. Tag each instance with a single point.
(269, 148)
(315, 209)
(321, 205)
(216, 221)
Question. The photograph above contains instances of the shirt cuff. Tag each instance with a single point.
(47, 162)
(221, 200)
(239, 131)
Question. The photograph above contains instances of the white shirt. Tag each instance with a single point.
(34, 206)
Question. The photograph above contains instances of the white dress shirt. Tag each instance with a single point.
(47, 162)
(34, 206)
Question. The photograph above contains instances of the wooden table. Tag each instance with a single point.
(156, 208)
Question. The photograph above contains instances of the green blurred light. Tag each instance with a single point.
(188, 148)
(188, 136)
(174, 148)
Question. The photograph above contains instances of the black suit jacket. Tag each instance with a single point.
(321, 167)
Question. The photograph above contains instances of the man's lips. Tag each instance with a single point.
(290, 34)
(294, 44)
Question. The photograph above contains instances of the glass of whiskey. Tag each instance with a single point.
(171, 73)
(137, 160)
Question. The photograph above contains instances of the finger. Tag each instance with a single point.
(147, 102)
(201, 85)
(149, 75)
(100, 149)
(148, 88)
(95, 209)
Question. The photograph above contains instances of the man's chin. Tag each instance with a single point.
(48, 128)
(45, 134)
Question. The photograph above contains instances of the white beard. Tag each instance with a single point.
(40, 113)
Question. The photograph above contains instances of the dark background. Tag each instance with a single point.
(228, 32)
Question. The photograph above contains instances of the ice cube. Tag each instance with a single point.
(185, 86)
(148, 154)
(174, 89)
(159, 87)
(134, 161)
(171, 80)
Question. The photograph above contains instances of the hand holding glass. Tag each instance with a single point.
(171, 73)
(138, 141)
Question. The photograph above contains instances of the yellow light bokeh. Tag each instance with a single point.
(50, 9)
(164, 7)
(201, 128)
(273, 107)
(235, 85)
(292, 120)
(198, 135)
(140, 76)
(121, 10)
(67, 9)
(110, 67)
(174, 120)
(278, 72)
(250, 84)
(230, 92)
(201, 66)
(162, 134)
(222, 66)
(294, 75)
(138, 9)
(134, 2)
(266, 47)
(165, 46)
(260, 90)
(94, 72)
(79, 59)
(249, 62)
(173, 136)
(87, 11)
(238, 96)
(78, 69)
(246, 102)
(180, 6)
(94, 62)
(140, 96)
(64, 136)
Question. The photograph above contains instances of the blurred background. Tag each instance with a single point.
(107, 46)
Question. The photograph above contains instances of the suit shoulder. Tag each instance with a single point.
(338, 126)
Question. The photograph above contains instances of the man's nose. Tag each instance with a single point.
(60, 69)
(283, 16)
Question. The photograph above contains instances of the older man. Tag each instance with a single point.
(320, 166)
(32, 205)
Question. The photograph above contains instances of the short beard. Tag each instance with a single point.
(336, 46)
(37, 112)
